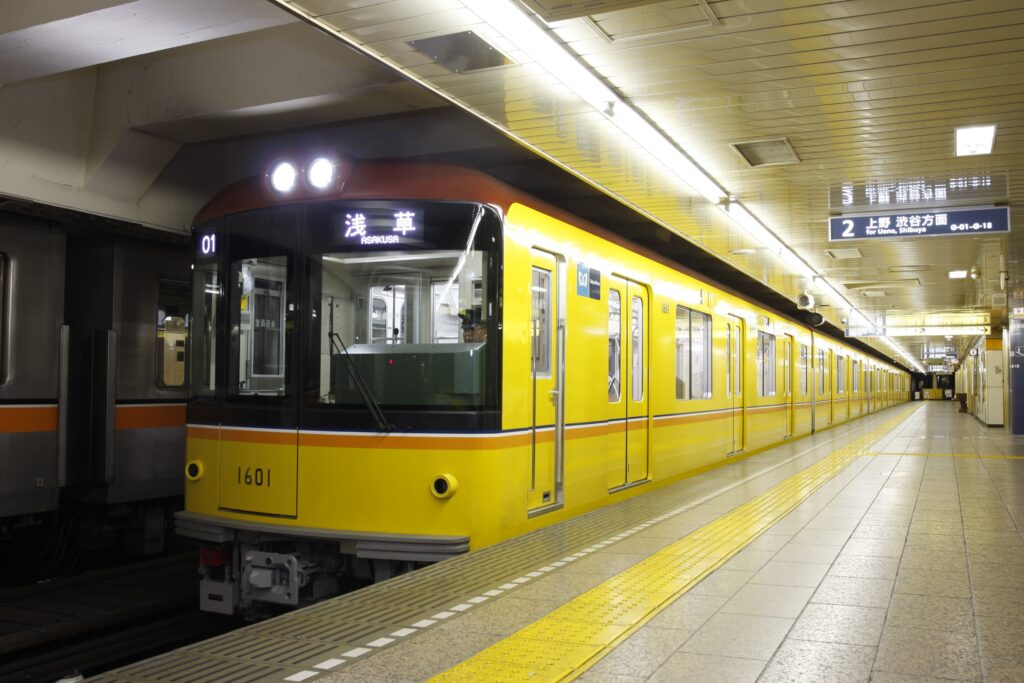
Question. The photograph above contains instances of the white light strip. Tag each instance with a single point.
(549, 54)
(508, 18)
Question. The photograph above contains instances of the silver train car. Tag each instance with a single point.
(92, 392)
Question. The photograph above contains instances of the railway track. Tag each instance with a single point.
(89, 623)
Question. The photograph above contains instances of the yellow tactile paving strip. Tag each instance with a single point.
(566, 642)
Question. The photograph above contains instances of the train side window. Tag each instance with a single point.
(803, 369)
(693, 354)
(840, 375)
(765, 364)
(171, 333)
(614, 345)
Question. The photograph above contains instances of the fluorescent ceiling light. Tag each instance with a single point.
(957, 274)
(974, 140)
(526, 35)
(549, 54)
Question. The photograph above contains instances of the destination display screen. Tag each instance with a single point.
(389, 225)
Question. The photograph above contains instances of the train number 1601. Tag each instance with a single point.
(254, 476)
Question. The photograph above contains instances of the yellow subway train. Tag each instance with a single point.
(397, 362)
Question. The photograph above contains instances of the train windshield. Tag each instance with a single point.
(402, 307)
(362, 308)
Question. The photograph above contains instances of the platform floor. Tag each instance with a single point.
(887, 549)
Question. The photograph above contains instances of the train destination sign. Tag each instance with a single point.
(382, 227)
(928, 223)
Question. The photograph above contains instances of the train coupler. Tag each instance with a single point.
(280, 578)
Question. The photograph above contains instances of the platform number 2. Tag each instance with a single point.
(848, 228)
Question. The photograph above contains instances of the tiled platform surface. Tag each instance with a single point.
(908, 566)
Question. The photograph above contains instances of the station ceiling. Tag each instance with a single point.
(140, 110)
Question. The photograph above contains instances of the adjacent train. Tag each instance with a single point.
(397, 362)
(93, 330)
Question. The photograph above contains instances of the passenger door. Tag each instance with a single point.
(637, 401)
(735, 335)
(615, 443)
(546, 380)
(629, 405)
(830, 386)
(787, 383)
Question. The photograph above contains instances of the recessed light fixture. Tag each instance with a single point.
(957, 274)
(973, 140)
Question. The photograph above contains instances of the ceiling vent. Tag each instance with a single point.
(767, 152)
(874, 293)
(999, 300)
(845, 253)
(910, 269)
(460, 52)
(558, 10)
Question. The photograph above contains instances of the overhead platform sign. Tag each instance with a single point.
(920, 223)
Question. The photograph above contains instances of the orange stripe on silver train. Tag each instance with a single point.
(150, 415)
(28, 418)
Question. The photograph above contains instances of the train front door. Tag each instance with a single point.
(628, 401)
(547, 375)
(735, 334)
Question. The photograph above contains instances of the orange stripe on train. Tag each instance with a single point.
(149, 416)
(22, 419)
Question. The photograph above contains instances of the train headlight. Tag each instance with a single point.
(320, 173)
(283, 176)
(194, 470)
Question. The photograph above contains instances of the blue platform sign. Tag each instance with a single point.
(920, 223)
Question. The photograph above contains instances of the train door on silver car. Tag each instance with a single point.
(735, 335)
(547, 377)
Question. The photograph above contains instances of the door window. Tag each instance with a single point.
(614, 345)
(638, 348)
(541, 322)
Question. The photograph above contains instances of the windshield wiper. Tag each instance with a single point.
(376, 412)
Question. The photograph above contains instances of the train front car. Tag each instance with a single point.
(344, 373)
